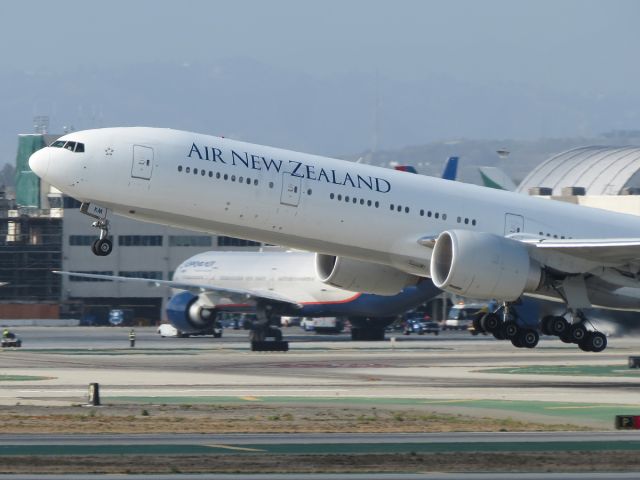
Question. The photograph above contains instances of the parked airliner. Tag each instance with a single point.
(279, 283)
(375, 230)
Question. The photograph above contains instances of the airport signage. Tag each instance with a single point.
(628, 422)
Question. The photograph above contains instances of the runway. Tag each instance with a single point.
(304, 443)
(453, 374)
(349, 476)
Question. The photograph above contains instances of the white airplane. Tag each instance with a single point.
(278, 283)
(375, 230)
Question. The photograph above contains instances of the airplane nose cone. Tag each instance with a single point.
(39, 162)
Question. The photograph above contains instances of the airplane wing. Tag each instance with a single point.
(609, 252)
(197, 288)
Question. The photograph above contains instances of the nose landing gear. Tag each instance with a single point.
(103, 246)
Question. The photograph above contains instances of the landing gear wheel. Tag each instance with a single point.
(490, 322)
(528, 338)
(516, 342)
(510, 330)
(545, 325)
(594, 342)
(102, 247)
(576, 333)
(558, 326)
(499, 334)
(566, 338)
(477, 328)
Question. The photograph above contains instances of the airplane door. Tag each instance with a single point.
(291, 187)
(513, 224)
(142, 162)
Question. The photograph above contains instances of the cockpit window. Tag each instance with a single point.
(71, 146)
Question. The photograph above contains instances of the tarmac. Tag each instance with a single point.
(453, 372)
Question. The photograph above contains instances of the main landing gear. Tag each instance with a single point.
(505, 324)
(575, 332)
(263, 328)
(103, 246)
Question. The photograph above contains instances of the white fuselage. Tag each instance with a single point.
(302, 201)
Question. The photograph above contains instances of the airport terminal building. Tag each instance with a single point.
(595, 176)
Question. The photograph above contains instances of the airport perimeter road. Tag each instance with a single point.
(456, 441)
(453, 373)
(346, 476)
(316, 444)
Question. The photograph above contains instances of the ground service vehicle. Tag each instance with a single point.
(419, 326)
(12, 340)
(168, 330)
(461, 316)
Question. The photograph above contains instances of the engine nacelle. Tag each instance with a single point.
(359, 276)
(188, 313)
(483, 266)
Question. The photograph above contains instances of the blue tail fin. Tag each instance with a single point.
(450, 171)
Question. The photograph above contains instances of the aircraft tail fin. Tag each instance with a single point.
(406, 168)
(450, 171)
(494, 177)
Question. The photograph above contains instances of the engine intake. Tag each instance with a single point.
(188, 313)
(483, 266)
(359, 276)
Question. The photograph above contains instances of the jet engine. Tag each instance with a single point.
(483, 266)
(188, 313)
(359, 276)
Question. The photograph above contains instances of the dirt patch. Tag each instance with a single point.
(405, 463)
(261, 418)
(251, 418)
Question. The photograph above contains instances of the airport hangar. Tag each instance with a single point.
(42, 230)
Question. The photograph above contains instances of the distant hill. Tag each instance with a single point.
(524, 155)
(335, 115)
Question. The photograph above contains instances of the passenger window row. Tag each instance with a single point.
(435, 215)
(202, 172)
(346, 198)
(239, 179)
(466, 221)
(400, 208)
(354, 200)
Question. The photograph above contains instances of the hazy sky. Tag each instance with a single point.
(327, 76)
(578, 45)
